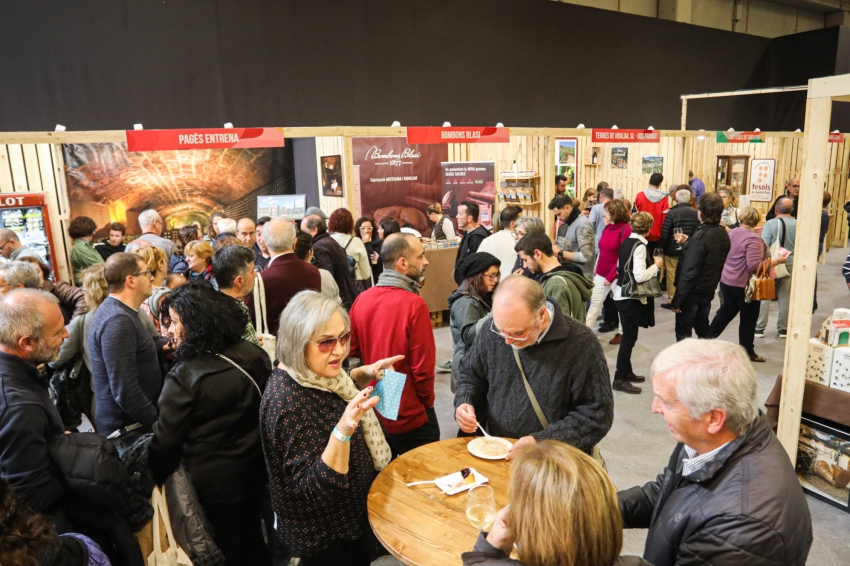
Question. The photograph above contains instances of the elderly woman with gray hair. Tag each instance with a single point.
(320, 460)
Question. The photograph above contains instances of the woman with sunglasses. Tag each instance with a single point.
(322, 440)
(471, 302)
(209, 417)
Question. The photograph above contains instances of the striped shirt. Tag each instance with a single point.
(695, 462)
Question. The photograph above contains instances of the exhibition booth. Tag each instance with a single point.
(397, 172)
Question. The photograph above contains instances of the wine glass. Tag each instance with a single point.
(657, 253)
(677, 232)
(481, 507)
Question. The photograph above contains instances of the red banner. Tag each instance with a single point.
(203, 138)
(13, 200)
(605, 135)
(425, 134)
(835, 137)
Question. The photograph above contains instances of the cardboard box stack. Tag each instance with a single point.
(828, 361)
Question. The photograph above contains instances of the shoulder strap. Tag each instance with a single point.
(540, 416)
(260, 306)
(349, 242)
(782, 233)
(237, 366)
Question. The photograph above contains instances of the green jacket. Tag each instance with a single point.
(570, 290)
(83, 255)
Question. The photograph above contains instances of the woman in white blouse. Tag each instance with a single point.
(633, 312)
(341, 227)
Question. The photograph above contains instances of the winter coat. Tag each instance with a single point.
(701, 265)
(72, 301)
(485, 554)
(680, 216)
(105, 249)
(330, 256)
(469, 245)
(178, 264)
(209, 419)
(466, 309)
(743, 507)
(567, 371)
(570, 290)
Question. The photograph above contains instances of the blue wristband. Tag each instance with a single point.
(341, 437)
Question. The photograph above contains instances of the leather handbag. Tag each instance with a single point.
(269, 342)
(645, 289)
(761, 287)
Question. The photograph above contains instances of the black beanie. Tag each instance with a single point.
(476, 263)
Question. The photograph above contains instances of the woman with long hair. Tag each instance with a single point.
(322, 441)
(471, 302)
(633, 264)
(616, 231)
(209, 417)
(341, 227)
(563, 510)
(444, 229)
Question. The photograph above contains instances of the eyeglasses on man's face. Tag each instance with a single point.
(141, 273)
(506, 337)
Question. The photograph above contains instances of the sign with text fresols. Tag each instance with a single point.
(762, 175)
(427, 134)
(203, 138)
(605, 135)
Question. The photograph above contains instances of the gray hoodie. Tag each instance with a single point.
(655, 195)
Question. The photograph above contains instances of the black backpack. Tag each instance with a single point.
(352, 263)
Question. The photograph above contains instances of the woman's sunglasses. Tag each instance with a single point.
(328, 344)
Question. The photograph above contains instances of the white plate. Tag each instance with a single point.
(475, 444)
(449, 484)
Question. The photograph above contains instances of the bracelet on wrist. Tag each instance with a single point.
(341, 437)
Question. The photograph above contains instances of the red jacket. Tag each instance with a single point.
(386, 322)
(284, 278)
(656, 209)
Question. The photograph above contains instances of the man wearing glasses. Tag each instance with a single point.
(535, 374)
(152, 226)
(11, 247)
(125, 366)
(792, 191)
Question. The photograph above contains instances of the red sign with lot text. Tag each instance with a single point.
(424, 134)
(605, 135)
(835, 137)
(203, 138)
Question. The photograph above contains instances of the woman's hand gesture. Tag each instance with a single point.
(375, 370)
(355, 410)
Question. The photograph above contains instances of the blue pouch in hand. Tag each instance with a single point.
(389, 389)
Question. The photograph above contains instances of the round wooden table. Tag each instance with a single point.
(421, 525)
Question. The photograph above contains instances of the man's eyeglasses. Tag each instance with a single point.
(328, 344)
(139, 274)
(506, 336)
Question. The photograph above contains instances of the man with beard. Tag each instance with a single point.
(31, 331)
(391, 319)
(534, 374)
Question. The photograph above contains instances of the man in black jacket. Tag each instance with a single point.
(792, 191)
(330, 256)
(686, 218)
(699, 270)
(729, 494)
(473, 233)
(31, 331)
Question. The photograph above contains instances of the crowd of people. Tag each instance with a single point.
(246, 354)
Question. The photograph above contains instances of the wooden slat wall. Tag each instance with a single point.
(33, 168)
(331, 145)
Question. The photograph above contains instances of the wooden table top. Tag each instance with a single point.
(421, 525)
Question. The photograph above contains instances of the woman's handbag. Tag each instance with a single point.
(761, 287)
(644, 290)
(173, 555)
(780, 269)
(269, 342)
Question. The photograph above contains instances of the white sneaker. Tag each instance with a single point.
(783, 336)
(759, 334)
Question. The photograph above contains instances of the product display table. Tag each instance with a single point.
(420, 525)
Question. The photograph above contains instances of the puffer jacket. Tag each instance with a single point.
(209, 417)
(680, 216)
(569, 289)
(701, 265)
(743, 507)
(466, 309)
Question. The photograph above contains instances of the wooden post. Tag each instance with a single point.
(348, 167)
(547, 182)
(818, 111)
(684, 113)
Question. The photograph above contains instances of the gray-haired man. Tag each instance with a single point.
(18, 275)
(729, 494)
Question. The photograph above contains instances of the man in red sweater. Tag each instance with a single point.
(391, 319)
(654, 201)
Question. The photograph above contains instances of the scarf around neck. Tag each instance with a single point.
(392, 278)
(343, 387)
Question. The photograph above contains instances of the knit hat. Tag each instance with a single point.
(153, 301)
(476, 263)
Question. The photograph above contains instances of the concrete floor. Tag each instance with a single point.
(639, 445)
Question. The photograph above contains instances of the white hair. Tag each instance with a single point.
(532, 224)
(279, 235)
(683, 196)
(712, 374)
(619, 194)
(148, 217)
(22, 314)
(226, 225)
(20, 273)
(306, 314)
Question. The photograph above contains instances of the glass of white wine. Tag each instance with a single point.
(481, 507)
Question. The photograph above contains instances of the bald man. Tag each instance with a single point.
(561, 359)
(31, 332)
